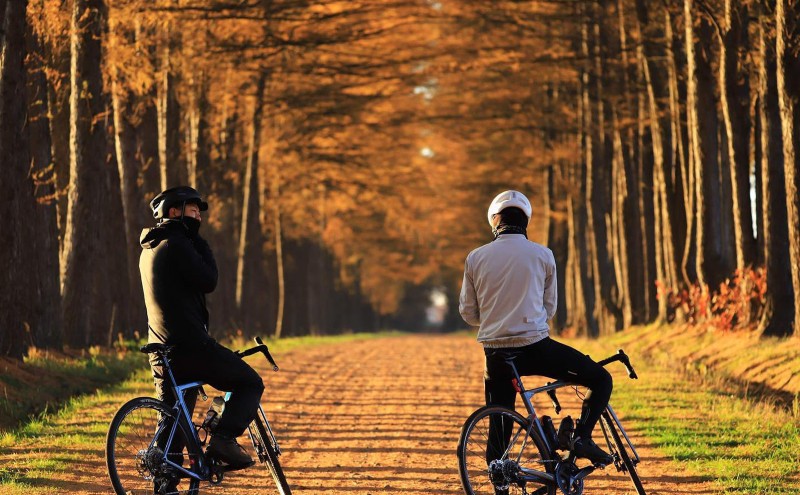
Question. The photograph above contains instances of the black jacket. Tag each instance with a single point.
(178, 270)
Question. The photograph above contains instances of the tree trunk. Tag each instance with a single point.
(585, 244)
(19, 272)
(278, 253)
(131, 198)
(666, 273)
(172, 174)
(618, 232)
(558, 237)
(250, 235)
(788, 78)
(607, 313)
(713, 265)
(734, 99)
(91, 275)
(780, 304)
(197, 157)
(48, 333)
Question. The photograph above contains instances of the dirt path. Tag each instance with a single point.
(367, 417)
(383, 416)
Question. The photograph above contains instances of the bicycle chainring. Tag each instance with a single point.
(565, 473)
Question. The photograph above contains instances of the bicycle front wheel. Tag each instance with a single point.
(619, 449)
(138, 446)
(262, 441)
(499, 453)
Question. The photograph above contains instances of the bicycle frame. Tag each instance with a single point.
(182, 413)
(535, 422)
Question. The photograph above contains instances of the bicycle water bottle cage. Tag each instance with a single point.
(214, 414)
(565, 431)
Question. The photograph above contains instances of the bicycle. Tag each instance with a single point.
(149, 442)
(502, 452)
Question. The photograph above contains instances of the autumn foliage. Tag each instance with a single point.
(349, 151)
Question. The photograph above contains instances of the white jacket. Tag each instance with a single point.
(510, 290)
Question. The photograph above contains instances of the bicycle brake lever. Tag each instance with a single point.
(624, 359)
(556, 404)
(265, 351)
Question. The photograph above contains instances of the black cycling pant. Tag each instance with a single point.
(221, 368)
(554, 360)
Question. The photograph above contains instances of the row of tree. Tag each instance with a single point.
(283, 113)
(687, 174)
(349, 151)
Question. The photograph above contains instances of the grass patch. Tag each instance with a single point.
(744, 446)
(287, 344)
(46, 380)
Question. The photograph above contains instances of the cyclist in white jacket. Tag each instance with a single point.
(510, 292)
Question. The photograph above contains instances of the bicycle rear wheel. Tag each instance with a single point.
(619, 449)
(498, 453)
(135, 450)
(262, 441)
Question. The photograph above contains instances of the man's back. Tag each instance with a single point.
(509, 290)
(176, 273)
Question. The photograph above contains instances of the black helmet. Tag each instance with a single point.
(176, 196)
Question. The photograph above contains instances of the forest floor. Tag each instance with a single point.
(378, 416)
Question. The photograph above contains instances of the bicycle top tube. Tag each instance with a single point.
(509, 355)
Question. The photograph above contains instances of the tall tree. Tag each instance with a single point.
(250, 239)
(788, 79)
(93, 267)
(18, 254)
(779, 308)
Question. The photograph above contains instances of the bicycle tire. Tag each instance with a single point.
(474, 454)
(621, 447)
(132, 451)
(269, 456)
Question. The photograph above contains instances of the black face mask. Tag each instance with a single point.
(192, 225)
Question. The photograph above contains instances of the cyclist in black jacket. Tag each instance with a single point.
(178, 270)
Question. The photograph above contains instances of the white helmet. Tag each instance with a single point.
(507, 199)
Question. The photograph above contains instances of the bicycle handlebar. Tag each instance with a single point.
(624, 359)
(262, 348)
(619, 356)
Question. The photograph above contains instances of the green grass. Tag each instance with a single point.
(44, 382)
(287, 344)
(743, 446)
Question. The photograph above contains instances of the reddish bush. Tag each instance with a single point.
(735, 304)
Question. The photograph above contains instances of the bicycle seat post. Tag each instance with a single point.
(517, 380)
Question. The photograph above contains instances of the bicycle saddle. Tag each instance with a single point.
(156, 348)
(507, 354)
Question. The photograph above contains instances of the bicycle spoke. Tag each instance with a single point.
(137, 440)
(494, 450)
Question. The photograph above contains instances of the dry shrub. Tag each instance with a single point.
(734, 305)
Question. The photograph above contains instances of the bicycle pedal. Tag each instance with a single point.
(217, 474)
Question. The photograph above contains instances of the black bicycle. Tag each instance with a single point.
(154, 447)
(502, 452)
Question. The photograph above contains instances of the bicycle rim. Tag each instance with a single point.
(489, 464)
(620, 448)
(267, 455)
(135, 457)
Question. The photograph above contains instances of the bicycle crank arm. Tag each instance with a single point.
(582, 473)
